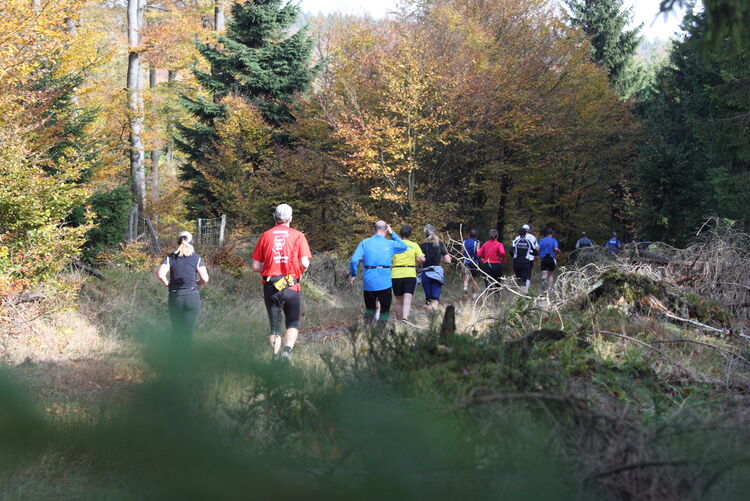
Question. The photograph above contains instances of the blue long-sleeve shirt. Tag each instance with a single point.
(376, 251)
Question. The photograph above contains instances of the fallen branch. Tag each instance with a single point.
(642, 464)
(642, 343)
(694, 322)
(692, 341)
(499, 397)
(91, 271)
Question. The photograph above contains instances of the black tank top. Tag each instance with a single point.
(182, 271)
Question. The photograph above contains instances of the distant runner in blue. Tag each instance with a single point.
(584, 241)
(549, 248)
(471, 261)
(376, 253)
(613, 244)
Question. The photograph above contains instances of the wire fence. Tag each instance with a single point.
(208, 233)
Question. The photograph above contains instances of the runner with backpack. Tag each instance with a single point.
(521, 249)
(534, 251)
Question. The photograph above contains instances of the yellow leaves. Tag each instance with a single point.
(244, 137)
(172, 30)
(27, 37)
(387, 105)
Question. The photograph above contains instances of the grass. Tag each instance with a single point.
(94, 413)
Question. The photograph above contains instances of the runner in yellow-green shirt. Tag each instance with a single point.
(404, 273)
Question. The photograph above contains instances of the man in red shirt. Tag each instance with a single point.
(281, 256)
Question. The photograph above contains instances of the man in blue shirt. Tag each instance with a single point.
(376, 253)
(613, 244)
(471, 261)
(584, 241)
(549, 248)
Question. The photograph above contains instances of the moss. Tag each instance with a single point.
(706, 310)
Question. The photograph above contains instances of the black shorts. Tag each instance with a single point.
(548, 263)
(383, 297)
(522, 269)
(494, 270)
(472, 269)
(286, 300)
(404, 285)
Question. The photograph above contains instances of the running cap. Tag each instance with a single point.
(283, 213)
(188, 236)
(526, 227)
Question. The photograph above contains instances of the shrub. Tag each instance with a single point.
(35, 202)
(228, 261)
(110, 219)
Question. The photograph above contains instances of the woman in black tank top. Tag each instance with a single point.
(183, 266)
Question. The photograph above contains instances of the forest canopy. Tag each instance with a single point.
(456, 113)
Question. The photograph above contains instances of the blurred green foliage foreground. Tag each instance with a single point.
(420, 415)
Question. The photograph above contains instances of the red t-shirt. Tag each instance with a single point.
(280, 250)
(492, 251)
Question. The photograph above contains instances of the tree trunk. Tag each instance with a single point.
(154, 150)
(135, 103)
(171, 77)
(219, 18)
(505, 184)
(73, 31)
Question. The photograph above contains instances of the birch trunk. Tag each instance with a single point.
(135, 103)
(219, 18)
(171, 77)
(154, 151)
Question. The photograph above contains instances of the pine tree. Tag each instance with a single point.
(695, 161)
(613, 46)
(256, 59)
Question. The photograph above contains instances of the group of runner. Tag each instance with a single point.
(487, 258)
(392, 267)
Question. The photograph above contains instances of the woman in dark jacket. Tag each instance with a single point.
(186, 272)
(432, 275)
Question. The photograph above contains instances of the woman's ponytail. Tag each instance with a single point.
(431, 234)
(184, 248)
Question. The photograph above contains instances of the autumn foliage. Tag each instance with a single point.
(39, 189)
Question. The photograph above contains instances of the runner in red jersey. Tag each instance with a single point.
(281, 256)
(493, 254)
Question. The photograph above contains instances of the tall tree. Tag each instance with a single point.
(613, 45)
(696, 160)
(135, 102)
(259, 59)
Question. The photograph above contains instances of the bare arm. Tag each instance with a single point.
(161, 274)
(202, 275)
(305, 262)
(257, 266)
(447, 259)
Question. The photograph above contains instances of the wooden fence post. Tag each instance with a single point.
(221, 229)
(154, 238)
(133, 223)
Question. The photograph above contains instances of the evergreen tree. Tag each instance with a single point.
(613, 46)
(69, 123)
(258, 60)
(696, 160)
